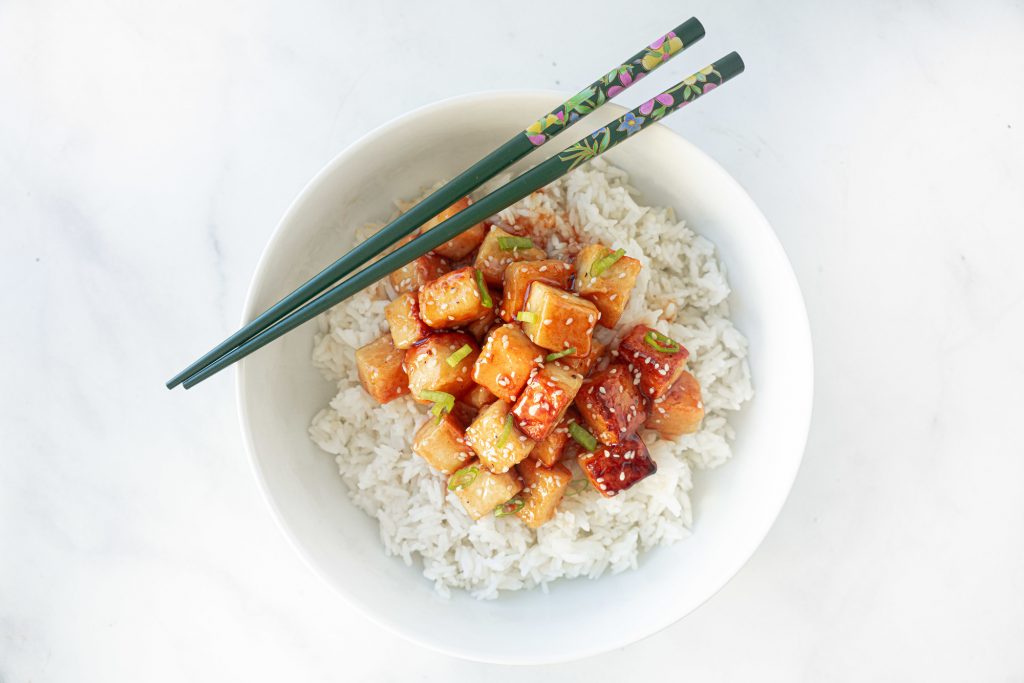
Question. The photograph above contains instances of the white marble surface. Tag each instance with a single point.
(147, 150)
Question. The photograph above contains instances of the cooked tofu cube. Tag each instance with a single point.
(480, 490)
(380, 370)
(452, 300)
(543, 490)
(464, 412)
(492, 259)
(427, 365)
(658, 360)
(550, 450)
(496, 439)
(560, 320)
(462, 244)
(403, 316)
(583, 366)
(506, 362)
(613, 469)
(609, 290)
(611, 404)
(519, 276)
(442, 444)
(480, 327)
(680, 410)
(418, 272)
(479, 396)
(544, 400)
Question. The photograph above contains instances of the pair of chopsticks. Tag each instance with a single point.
(318, 295)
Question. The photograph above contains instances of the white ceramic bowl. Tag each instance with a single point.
(734, 506)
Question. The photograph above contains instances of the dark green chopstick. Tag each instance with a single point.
(595, 144)
(545, 128)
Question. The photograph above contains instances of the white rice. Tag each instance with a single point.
(682, 290)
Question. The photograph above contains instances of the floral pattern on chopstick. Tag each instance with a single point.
(676, 97)
(607, 87)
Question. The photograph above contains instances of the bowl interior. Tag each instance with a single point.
(279, 392)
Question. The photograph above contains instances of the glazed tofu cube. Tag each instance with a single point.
(609, 290)
(613, 469)
(611, 404)
(480, 327)
(479, 396)
(380, 370)
(442, 444)
(543, 490)
(494, 437)
(418, 272)
(403, 316)
(559, 320)
(452, 300)
(429, 370)
(492, 259)
(680, 410)
(480, 490)
(462, 244)
(657, 359)
(506, 362)
(544, 400)
(519, 276)
(463, 412)
(550, 450)
(583, 366)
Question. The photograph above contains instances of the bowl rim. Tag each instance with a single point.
(248, 311)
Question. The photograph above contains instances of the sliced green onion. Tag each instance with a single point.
(456, 358)
(505, 432)
(578, 486)
(605, 262)
(463, 478)
(527, 317)
(510, 507)
(561, 354)
(513, 243)
(661, 343)
(582, 436)
(485, 295)
(443, 402)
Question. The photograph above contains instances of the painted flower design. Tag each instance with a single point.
(631, 123)
(626, 79)
(536, 129)
(664, 99)
(661, 50)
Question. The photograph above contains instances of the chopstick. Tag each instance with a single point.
(590, 147)
(562, 117)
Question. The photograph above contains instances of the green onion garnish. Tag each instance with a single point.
(457, 357)
(561, 354)
(505, 432)
(443, 402)
(578, 486)
(582, 436)
(509, 508)
(463, 478)
(485, 295)
(513, 243)
(659, 342)
(605, 262)
(527, 317)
